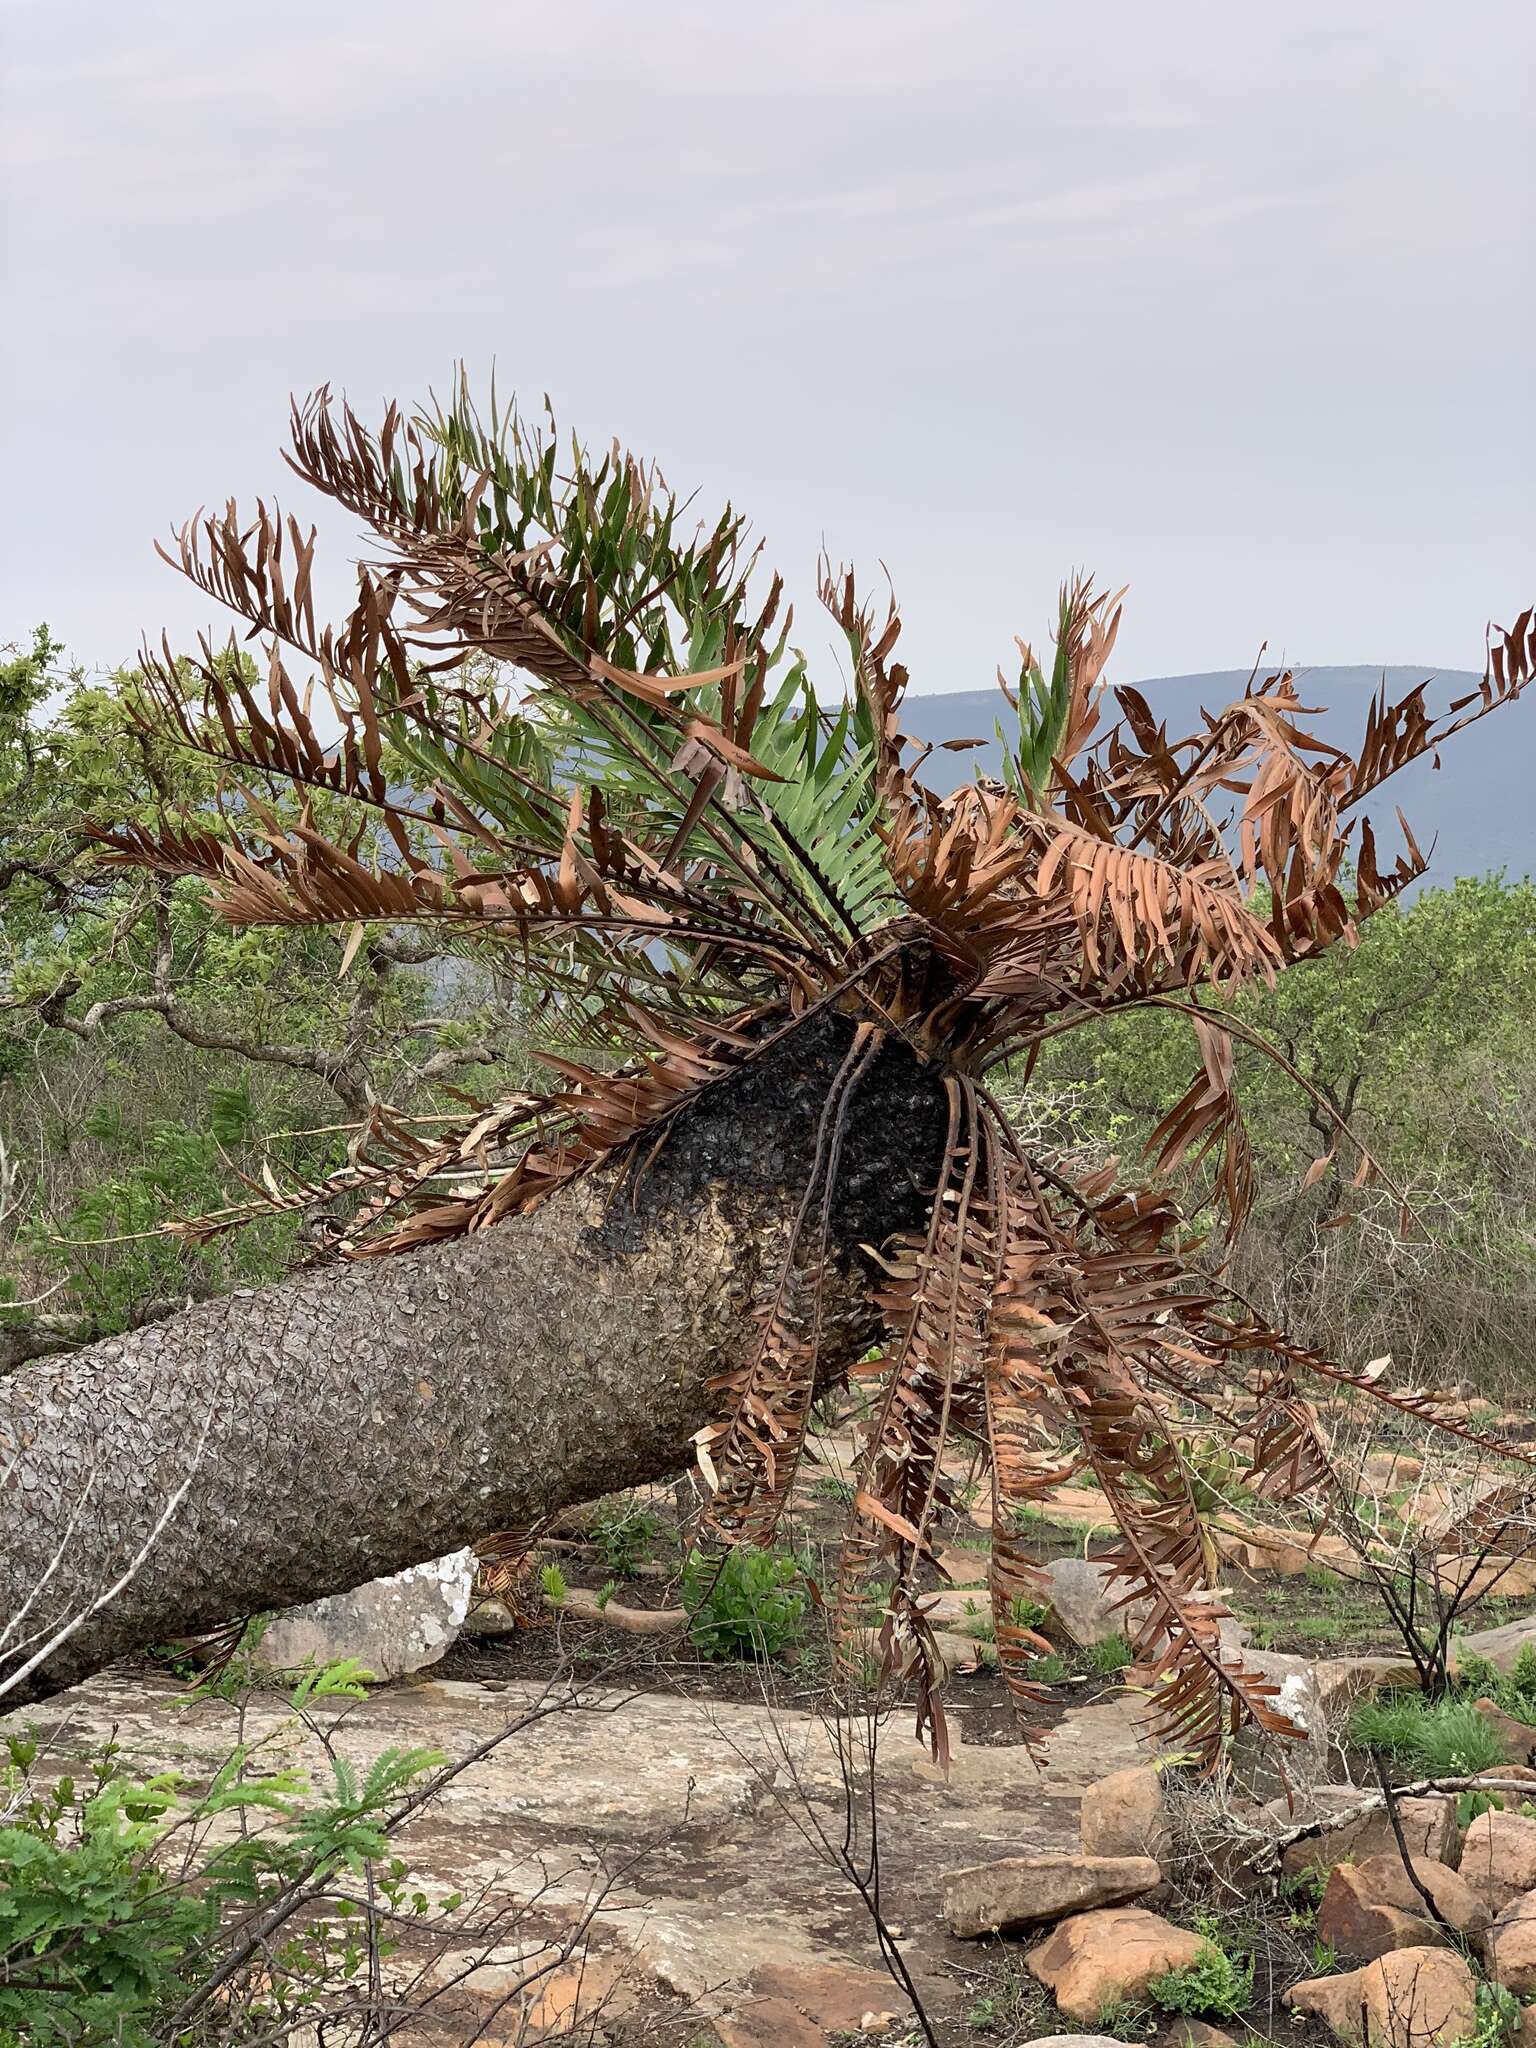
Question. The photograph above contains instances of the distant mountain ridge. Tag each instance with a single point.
(1479, 808)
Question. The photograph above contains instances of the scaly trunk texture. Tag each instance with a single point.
(363, 1417)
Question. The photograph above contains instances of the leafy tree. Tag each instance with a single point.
(146, 1047)
(1416, 1038)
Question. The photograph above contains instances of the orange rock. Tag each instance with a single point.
(1096, 1959)
(1125, 1814)
(805, 2007)
(1372, 1907)
(1498, 1857)
(1510, 1947)
(1412, 1998)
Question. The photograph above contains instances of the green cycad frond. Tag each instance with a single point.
(1054, 716)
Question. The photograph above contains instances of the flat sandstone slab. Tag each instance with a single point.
(726, 1892)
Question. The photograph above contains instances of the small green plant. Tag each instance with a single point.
(121, 1896)
(1304, 1890)
(622, 1533)
(747, 1603)
(1471, 1804)
(1108, 1657)
(1325, 1957)
(1049, 1670)
(1026, 1613)
(1433, 1738)
(1498, 2017)
(553, 1585)
(1214, 1986)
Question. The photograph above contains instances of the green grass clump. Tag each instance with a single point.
(1108, 1657)
(1432, 1738)
(1513, 1692)
(748, 1603)
(839, 1493)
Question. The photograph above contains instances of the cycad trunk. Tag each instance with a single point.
(361, 1418)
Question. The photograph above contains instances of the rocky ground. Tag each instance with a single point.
(664, 1844)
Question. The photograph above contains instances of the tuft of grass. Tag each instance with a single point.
(838, 1493)
(1432, 1738)
(1108, 1657)
(1321, 1628)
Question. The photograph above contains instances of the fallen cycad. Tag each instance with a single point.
(695, 866)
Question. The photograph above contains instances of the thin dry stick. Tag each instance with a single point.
(1435, 1914)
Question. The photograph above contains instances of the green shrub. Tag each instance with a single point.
(1513, 1692)
(622, 1533)
(1211, 1987)
(747, 1603)
(1498, 2017)
(122, 1896)
(1433, 1738)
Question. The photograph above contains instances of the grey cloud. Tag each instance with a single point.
(1233, 305)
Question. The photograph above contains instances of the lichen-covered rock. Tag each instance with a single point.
(1024, 1891)
(1094, 1960)
(1261, 1767)
(1412, 1998)
(391, 1626)
(1126, 1814)
(1086, 1602)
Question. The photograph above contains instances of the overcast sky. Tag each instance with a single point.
(1231, 304)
